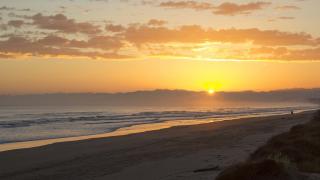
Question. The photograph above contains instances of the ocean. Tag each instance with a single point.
(29, 123)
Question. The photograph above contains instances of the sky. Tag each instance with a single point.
(66, 46)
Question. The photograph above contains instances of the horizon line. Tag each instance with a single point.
(154, 90)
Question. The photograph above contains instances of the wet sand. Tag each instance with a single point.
(183, 152)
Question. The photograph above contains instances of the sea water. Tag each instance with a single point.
(29, 123)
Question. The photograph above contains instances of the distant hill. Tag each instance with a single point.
(164, 98)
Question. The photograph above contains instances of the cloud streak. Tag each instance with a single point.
(16, 23)
(140, 34)
(231, 9)
(226, 8)
(63, 24)
(187, 5)
(288, 7)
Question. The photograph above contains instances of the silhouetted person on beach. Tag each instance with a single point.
(291, 112)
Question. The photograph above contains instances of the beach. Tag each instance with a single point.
(183, 152)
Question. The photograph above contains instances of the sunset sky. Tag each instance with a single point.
(127, 45)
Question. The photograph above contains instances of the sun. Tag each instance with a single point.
(212, 87)
(211, 91)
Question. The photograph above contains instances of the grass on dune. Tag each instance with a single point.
(283, 157)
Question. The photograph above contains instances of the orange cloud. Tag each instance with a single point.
(187, 5)
(156, 22)
(74, 39)
(227, 8)
(61, 23)
(54, 46)
(288, 7)
(140, 34)
(238, 53)
(97, 42)
(304, 54)
(283, 53)
(114, 28)
(286, 18)
(16, 23)
(234, 9)
(6, 56)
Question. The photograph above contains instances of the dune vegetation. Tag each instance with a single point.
(288, 156)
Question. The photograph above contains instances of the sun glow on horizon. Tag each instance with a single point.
(211, 91)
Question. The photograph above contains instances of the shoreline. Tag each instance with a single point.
(135, 129)
(165, 154)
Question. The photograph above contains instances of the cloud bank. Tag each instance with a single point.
(57, 35)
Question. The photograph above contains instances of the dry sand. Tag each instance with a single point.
(173, 153)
